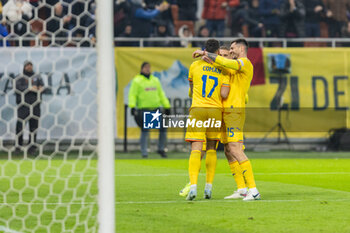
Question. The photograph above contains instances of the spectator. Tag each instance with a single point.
(146, 94)
(90, 24)
(162, 31)
(81, 39)
(122, 16)
(346, 31)
(236, 17)
(34, 3)
(185, 34)
(45, 12)
(52, 2)
(59, 25)
(254, 20)
(187, 9)
(16, 10)
(29, 87)
(165, 16)
(78, 8)
(292, 19)
(18, 13)
(3, 32)
(270, 11)
(142, 16)
(336, 13)
(127, 33)
(214, 13)
(346, 34)
(314, 11)
(204, 33)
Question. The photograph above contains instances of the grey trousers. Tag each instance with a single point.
(144, 140)
(145, 134)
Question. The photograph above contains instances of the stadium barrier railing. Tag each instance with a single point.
(38, 41)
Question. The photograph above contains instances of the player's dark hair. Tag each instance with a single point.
(224, 47)
(243, 42)
(212, 45)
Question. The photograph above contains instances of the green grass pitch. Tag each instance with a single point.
(301, 192)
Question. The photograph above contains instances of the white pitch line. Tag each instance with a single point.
(185, 174)
(208, 201)
(8, 230)
(169, 174)
(305, 173)
(171, 202)
(199, 201)
(279, 173)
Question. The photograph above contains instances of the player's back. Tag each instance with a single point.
(207, 81)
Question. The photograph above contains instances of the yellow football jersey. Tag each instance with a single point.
(239, 81)
(207, 81)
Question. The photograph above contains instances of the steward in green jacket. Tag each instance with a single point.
(146, 94)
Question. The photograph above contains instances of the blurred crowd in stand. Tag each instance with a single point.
(72, 22)
(53, 22)
(230, 18)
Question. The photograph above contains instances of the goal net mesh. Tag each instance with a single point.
(48, 167)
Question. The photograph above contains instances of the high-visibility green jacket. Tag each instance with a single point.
(147, 93)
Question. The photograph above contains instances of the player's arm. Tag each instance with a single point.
(40, 84)
(221, 61)
(224, 62)
(225, 88)
(190, 94)
(190, 79)
(190, 91)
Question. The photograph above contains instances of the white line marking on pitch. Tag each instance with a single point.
(8, 230)
(169, 202)
(199, 201)
(180, 174)
(280, 173)
(305, 173)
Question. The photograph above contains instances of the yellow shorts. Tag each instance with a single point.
(208, 127)
(232, 130)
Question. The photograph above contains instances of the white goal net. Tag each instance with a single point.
(48, 118)
(48, 179)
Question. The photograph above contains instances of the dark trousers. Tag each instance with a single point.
(217, 26)
(30, 114)
(312, 29)
(335, 28)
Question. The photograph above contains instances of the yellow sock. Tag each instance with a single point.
(194, 166)
(210, 164)
(237, 173)
(247, 172)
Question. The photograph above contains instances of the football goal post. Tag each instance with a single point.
(106, 116)
(57, 119)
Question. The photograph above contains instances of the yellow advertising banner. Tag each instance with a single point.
(312, 91)
(308, 88)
